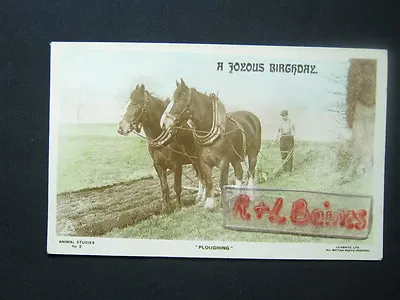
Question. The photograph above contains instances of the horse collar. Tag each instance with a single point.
(216, 129)
(161, 139)
(164, 136)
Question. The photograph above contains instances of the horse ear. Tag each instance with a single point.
(137, 86)
(177, 83)
(183, 82)
(142, 87)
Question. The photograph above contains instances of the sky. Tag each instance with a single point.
(99, 80)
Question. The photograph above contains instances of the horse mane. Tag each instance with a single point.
(207, 97)
(162, 103)
(167, 101)
(220, 107)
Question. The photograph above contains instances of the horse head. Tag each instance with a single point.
(136, 111)
(178, 110)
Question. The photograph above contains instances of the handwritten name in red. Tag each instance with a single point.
(301, 214)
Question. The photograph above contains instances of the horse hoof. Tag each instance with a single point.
(212, 209)
(166, 210)
(209, 205)
(199, 203)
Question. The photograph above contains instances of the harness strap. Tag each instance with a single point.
(163, 137)
(243, 135)
(215, 131)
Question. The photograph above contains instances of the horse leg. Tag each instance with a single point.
(223, 179)
(178, 184)
(162, 175)
(252, 157)
(207, 177)
(224, 173)
(201, 193)
(237, 167)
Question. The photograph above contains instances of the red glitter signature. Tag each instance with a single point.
(301, 214)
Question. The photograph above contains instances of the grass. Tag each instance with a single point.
(315, 169)
(95, 155)
(186, 225)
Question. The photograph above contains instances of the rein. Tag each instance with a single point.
(243, 135)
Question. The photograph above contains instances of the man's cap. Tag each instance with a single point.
(284, 112)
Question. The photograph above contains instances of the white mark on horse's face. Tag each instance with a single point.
(165, 120)
(123, 127)
(127, 106)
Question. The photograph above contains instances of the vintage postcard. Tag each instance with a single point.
(216, 151)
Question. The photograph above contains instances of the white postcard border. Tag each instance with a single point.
(161, 248)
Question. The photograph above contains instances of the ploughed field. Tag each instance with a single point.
(107, 186)
(107, 181)
(96, 211)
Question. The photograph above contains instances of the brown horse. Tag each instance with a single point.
(167, 151)
(220, 138)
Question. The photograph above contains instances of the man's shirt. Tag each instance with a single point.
(287, 127)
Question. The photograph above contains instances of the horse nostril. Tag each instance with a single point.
(119, 129)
